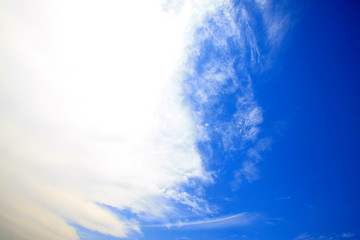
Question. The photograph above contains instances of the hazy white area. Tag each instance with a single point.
(91, 113)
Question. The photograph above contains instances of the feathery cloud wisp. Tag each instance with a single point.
(240, 219)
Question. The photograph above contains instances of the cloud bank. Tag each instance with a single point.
(104, 105)
(92, 115)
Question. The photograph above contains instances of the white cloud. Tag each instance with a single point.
(91, 112)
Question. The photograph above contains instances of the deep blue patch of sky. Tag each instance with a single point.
(315, 100)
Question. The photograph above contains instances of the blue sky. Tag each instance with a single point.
(180, 120)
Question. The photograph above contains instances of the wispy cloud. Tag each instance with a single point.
(220, 75)
(307, 236)
(226, 47)
(220, 72)
(276, 22)
(249, 170)
(240, 219)
(347, 235)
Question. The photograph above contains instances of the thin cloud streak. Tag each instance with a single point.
(240, 219)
